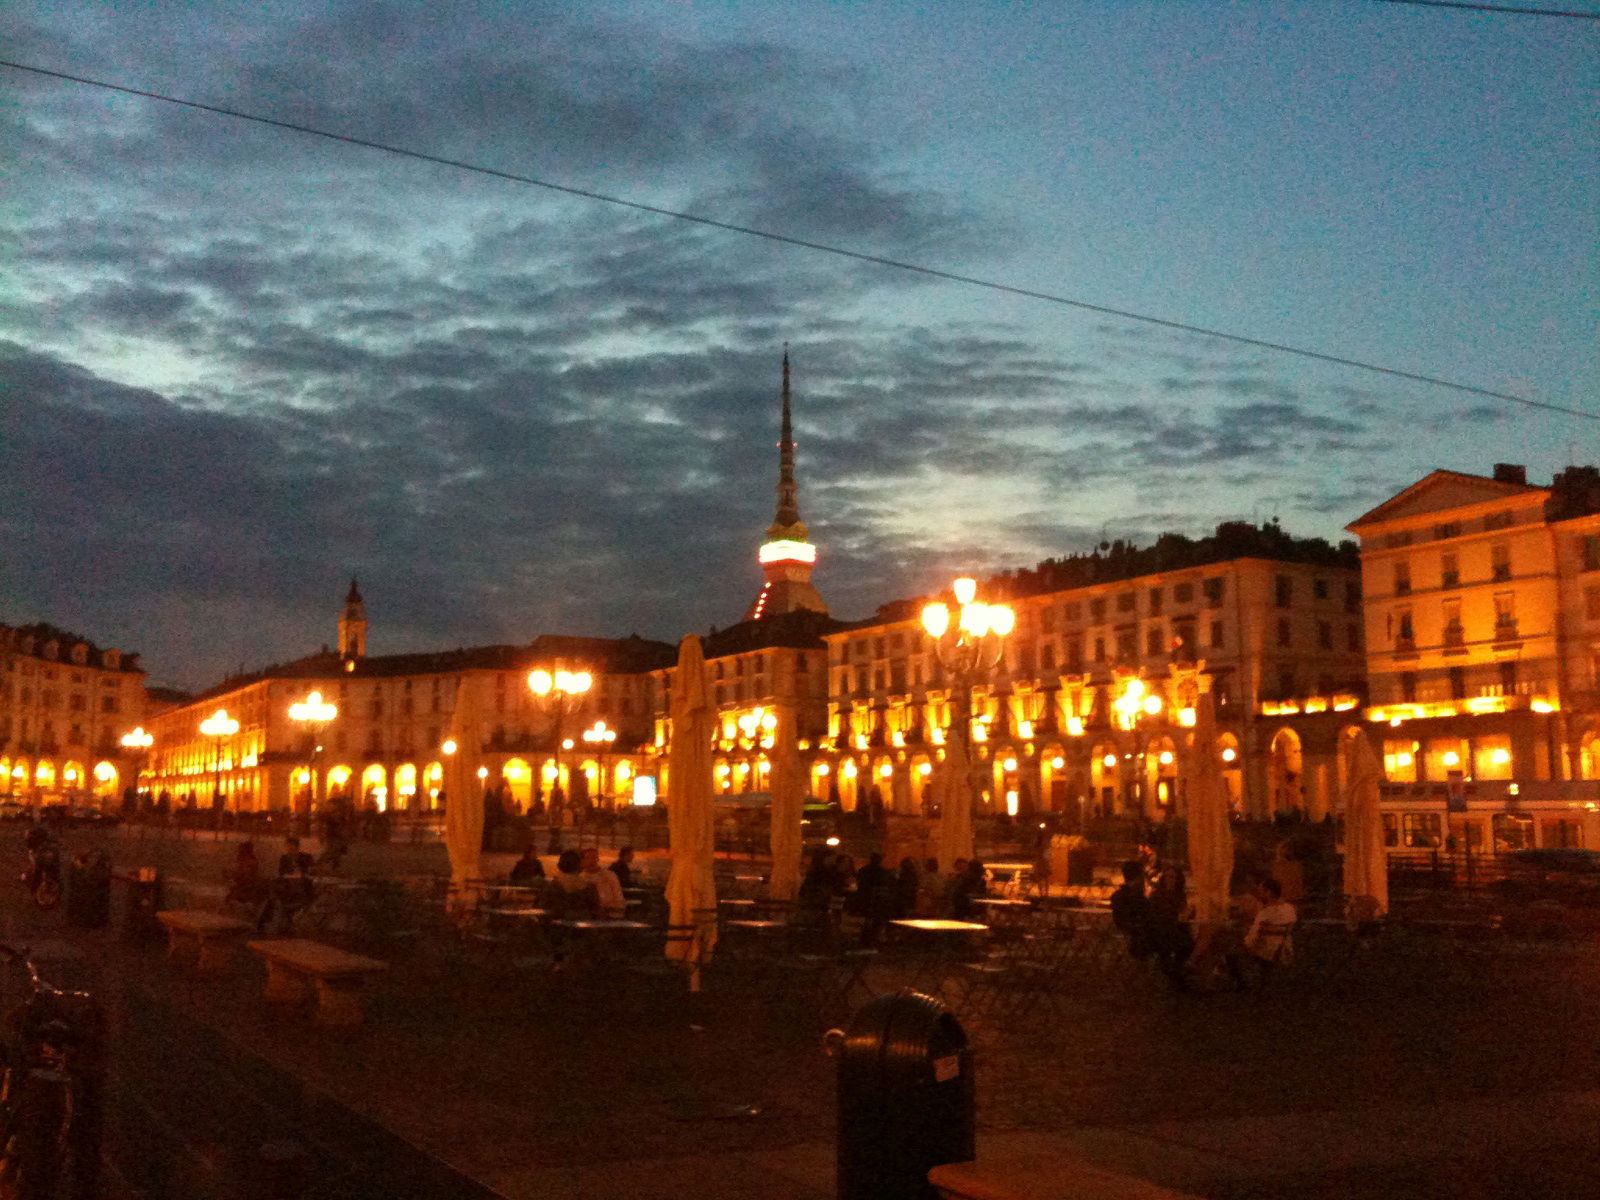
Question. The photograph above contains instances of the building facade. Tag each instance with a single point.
(401, 725)
(1251, 614)
(1482, 599)
(65, 704)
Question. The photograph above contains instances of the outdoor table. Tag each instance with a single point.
(945, 939)
(734, 902)
(756, 925)
(531, 914)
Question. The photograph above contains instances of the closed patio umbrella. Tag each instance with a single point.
(691, 887)
(955, 805)
(1366, 862)
(788, 807)
(463, 811)
(1210, 828)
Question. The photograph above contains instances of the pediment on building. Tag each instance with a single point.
(1441, 492)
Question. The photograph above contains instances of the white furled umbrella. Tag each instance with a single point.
(955, 804)
(463, 809)
(1210, 829)
(1366, 862)
(692, 885)
(788, 807)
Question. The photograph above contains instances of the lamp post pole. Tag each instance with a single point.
(217, 726)
(560, 694)
(601, 738)
(137, 742)
(313, 714)
(967, 649)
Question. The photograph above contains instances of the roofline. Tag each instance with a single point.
(1371, 517)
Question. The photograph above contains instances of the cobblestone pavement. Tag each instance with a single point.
(1394, 1083)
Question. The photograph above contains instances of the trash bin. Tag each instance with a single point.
(905, 1097)
(89, 892)
(144, 902)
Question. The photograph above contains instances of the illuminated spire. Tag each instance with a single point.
(787, 555)
(786, 525)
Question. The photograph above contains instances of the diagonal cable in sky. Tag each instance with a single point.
(787, 240)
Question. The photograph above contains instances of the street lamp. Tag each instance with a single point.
(313, 714)
(1133, 709)
(600, 738)
(968, 648)
(559, 694)
(218, 725)
(137, 742)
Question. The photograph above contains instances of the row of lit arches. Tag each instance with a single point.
(36, 777)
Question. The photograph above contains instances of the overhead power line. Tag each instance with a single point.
(787, 240)
(1501, 8)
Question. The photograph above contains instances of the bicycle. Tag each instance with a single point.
(50, 1085)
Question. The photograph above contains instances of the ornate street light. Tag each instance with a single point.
(968, 648)
(1133, 710)
(137, 743)
(559, 694)
(601, 739)
(313, 715)
(218, 725)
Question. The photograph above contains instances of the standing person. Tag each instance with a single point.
(1170, 937)
(607, 890)
(622, 868)
(1130, 910)
(907, 884)
(930, 890)
(874, 897)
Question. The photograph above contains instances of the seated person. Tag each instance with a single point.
(608, 891)
(291, 890)
(570, 894)
(244, 880)
(971, 884)
(1267, 942)
(526, 869)
(622, 868)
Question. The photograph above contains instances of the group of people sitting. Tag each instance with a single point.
(580, 886)
(274, 901)
(878, 895)
(1153, 918)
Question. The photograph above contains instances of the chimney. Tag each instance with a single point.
(1510, 473)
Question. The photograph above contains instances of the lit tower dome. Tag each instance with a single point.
(787, 556)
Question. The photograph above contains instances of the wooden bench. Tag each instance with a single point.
(211, 934)
(292, 963)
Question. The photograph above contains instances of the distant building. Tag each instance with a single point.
(64, 705)
(1483, 647)
(405, 721)
(1265, 617)
(787, 557)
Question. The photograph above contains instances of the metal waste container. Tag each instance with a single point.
(89, 892)
(905, 1097)
(144, 902)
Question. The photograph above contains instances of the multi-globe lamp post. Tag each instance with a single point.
(559, 694)
(600, 738)
(218, 726)
(137, 742)
(313, 714)
(969, 645)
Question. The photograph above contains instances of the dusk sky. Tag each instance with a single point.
(239, 365)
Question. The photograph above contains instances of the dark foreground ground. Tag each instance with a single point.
(1470, 1075)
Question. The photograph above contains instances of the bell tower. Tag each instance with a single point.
(353, 626)
(787, 557)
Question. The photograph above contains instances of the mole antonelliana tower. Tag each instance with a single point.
(787, 556)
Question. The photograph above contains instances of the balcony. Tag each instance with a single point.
(1505, 633)
(1455, 639)
(1405, 648)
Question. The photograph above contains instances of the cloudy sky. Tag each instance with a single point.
(239, 365)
